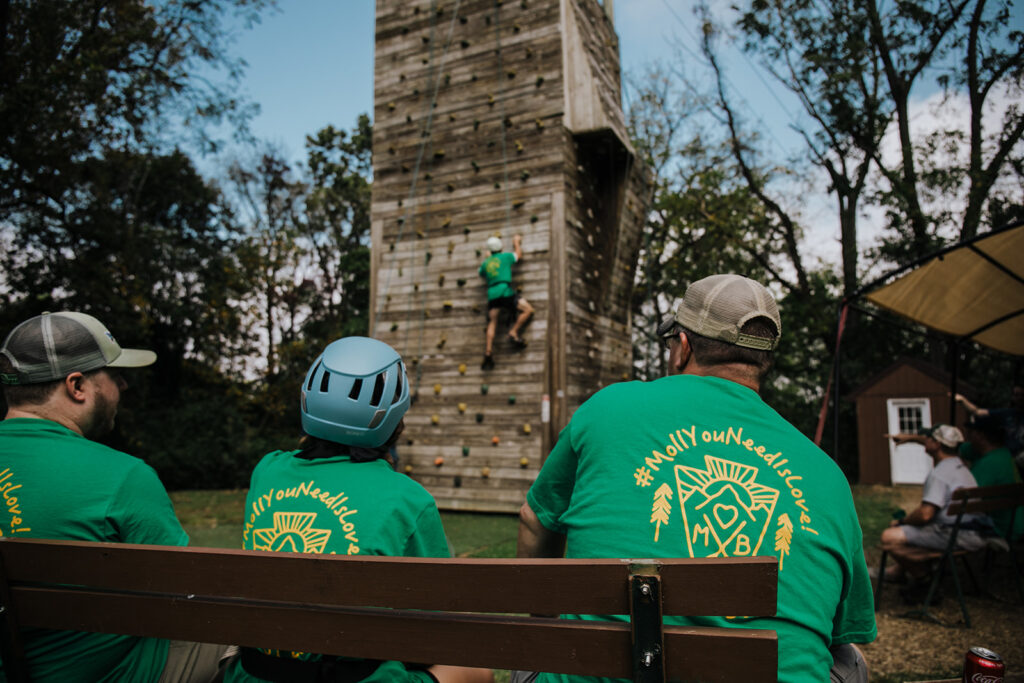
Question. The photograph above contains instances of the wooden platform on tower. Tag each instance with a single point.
(499, 118)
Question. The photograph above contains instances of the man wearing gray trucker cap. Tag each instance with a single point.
(61, 379)
(697, 465)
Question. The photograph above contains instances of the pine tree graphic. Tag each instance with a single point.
(661, 508)
(783, 537)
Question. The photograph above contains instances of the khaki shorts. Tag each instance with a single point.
(189, 662)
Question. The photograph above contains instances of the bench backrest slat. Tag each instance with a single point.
(483, 585)
(398, 608)
(984, 499)
(564, 646)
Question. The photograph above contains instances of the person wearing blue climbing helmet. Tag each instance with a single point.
(338, 493)
(502, 296)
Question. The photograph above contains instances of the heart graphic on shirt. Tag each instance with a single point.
(723, 512)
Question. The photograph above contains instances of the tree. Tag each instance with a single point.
(821, 53)
(305, 254)
(339, 165)
(702, 218)
(79, 79)
(971, 44)
(854, 68)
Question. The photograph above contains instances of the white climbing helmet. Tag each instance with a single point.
(494, 243)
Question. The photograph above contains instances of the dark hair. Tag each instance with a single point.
(711, 352)
(989, 427)
(315, 448)
(26, 394)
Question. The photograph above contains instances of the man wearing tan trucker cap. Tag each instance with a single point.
(698, 465)
(61, 376)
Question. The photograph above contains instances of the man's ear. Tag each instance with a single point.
(682, 356)
(74, 386)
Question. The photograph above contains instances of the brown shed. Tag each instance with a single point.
(907, 395)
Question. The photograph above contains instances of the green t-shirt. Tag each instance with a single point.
(339, 507)
(58, 484)
(498, 271)
(992, 469)
(690, 466)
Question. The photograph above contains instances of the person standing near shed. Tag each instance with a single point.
(502, 296)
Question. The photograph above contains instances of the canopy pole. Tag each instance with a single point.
(833, 380)
(955, 363)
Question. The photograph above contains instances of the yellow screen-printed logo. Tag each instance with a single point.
(493, 266)
(292, 532)
(725, 512)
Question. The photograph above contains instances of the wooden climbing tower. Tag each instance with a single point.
(500, 117)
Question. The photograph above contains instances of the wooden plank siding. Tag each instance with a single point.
(903, 379)
(471, 139)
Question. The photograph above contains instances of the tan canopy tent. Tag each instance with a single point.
(973, 291)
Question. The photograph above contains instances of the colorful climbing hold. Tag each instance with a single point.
(485, 472)
(524, 461)
(462, 368)
(408, 469)
(527, 429)
(479, 417)
(461, 282)
(484, 388)
(512, 399)
(438, 461)
(448, 305)
(435, 419)
(437, 389)
(495, 440)
(465, 451)
(440, 280)
(462, 407)
(394, 326)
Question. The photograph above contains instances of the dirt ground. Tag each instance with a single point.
(910, 645)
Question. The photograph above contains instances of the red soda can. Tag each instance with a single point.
(983, 666)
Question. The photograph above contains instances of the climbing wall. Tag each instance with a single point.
(499, 118)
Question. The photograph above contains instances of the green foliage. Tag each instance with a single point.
(78, 79)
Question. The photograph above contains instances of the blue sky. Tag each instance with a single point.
(311, 64)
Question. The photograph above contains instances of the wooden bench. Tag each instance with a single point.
(369, 607)
(981, 499)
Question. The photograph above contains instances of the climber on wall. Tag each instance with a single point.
(501, 296)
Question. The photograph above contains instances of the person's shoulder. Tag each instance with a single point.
(401, 485)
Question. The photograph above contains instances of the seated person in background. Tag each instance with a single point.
(992, 465)
(61, 376)
(929, 525)
(1011, 418)
(349, 501)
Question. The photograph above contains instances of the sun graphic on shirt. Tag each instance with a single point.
(725, 511)
(292, 532)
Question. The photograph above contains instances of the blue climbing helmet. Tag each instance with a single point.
(355, 393)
